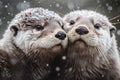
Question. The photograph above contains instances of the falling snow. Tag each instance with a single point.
(98, 1)
(70, 5)
(57, 5)
(63, 57)
(102, 75)
(110, 8)
(6, 6)
(50, 5)
(47, 65)
(70, 69)
(118, 20)
(57, 69)
(58, 74)
(8, 22)
(118, 32)
(0, 22)
(23, 5)
(107, 4)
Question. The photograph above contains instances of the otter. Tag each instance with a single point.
(32, 40)
(92, 52)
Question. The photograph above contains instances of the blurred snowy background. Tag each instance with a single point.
(9, 8)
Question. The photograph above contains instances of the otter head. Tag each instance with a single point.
(38, 31)
(89, 29)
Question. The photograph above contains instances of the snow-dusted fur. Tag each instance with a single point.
(94, 55)
(29, 46)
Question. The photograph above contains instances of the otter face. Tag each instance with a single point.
(36, 32)
(89, 27)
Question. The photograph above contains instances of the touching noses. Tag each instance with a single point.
(82, 30)
(60, 35)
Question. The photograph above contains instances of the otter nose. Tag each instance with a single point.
(82, 30)
(60, 35)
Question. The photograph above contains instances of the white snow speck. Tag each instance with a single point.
(6, 6)
(102, 75)
(47, 65)
(118, 20)
(39, 2)
(78, 7)
(98, 1)
(63, 57)
(110, 8)
(0, 22)
(70, 69)
(58, 74)
(118, 32)
(8, 22)
(8, 13)
(70, 5)
(107, 4)
(13, 61)
(24, 1)
(57, 69)
(57, 5)
(82, 69)
(50, 5)
(23, 5)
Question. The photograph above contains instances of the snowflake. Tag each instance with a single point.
(57, 69)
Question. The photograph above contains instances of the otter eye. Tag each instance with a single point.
(97, 25)
(39, 27)
(72, 22)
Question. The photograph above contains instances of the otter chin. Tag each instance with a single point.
(80, 43)
(33, 39)
(92, 53)
(57, 48)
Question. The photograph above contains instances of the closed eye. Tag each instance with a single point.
(61, 24)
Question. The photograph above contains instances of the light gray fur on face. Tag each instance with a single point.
(28, 36)
(95, 37)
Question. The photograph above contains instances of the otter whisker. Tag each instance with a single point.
(116, 23)
(114, 18)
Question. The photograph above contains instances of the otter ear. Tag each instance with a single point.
(112, 30)
(14, 29)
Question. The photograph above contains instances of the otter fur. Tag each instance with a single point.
(92, 52)
(32, 40)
